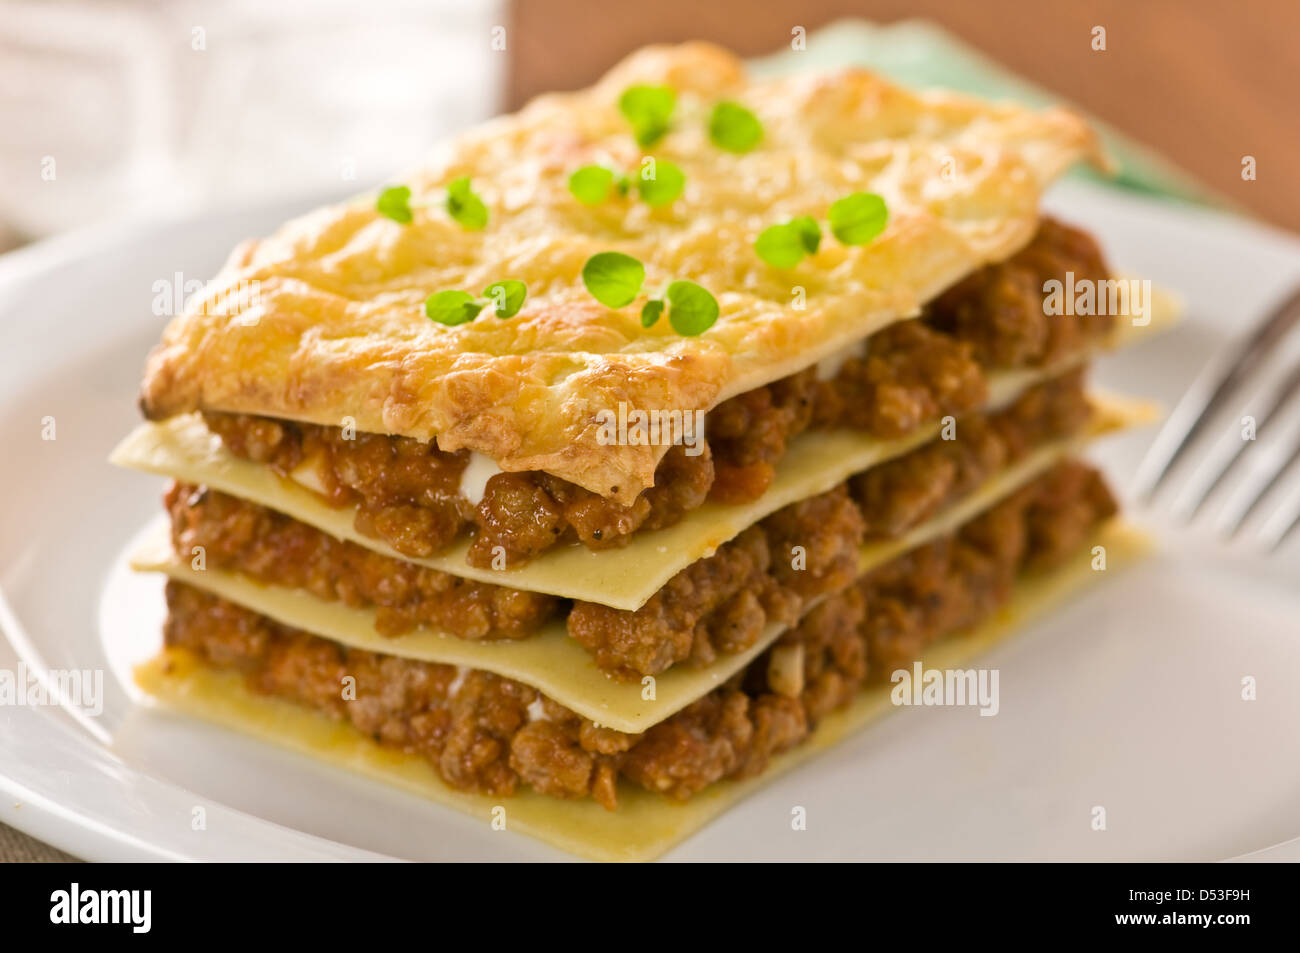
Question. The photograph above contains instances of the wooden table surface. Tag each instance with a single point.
(1205, 82)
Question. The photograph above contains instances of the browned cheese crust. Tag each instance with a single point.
(323, 321)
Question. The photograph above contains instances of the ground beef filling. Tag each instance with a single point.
(717, 605)
(408, 492)
(275, 549)
(999, 310)
(723, 604)
(487, 734)
(903, 493)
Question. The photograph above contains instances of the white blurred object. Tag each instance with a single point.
(147, 106)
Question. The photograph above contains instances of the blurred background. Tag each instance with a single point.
(115, 108)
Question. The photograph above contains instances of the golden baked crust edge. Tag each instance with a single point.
(334, 333)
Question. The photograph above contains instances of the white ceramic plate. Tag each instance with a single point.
(1129, 699)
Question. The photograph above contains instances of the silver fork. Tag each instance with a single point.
(1189, 425)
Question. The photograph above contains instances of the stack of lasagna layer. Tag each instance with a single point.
(411, 547)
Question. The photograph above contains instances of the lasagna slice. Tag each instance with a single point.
(418, 531)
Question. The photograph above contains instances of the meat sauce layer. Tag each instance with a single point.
(717, 605)
(493, 735)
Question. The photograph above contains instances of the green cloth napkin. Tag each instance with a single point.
(919, 54)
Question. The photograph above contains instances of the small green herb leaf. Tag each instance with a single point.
(651, 311)
(452, 307)
(665, 185)
(858, 218)
(734, 128)
(590, 185)
(614, 279)
(692, 310)
(648, 109)
(507, 296)
(780, 246)
(394, 202)
(464, 205)
(810, 232)
(784, 246)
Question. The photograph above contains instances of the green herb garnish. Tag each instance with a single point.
(659, 183)
(734, 128)
(614, 279)
(464, 205)
(692, 310)
(452, 307)
(460, 307)
(663, 184)
(855, 220)
(858, 218)
(651, 311)
(648, 109)
(784, 246)
(395, 202)
(591, 184)
(810, 232)
(507, 297)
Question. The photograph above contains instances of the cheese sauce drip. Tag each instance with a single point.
(475, 476)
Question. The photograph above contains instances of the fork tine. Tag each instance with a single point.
(1234, 527)
(1209, 392)
(1282, 536)
(1281, 397)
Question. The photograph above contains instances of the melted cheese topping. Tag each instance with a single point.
(462, 673)
(537, 710)
(307, 474)
(324, 320)
(645, 825)
(553, 663)
(474, 478)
